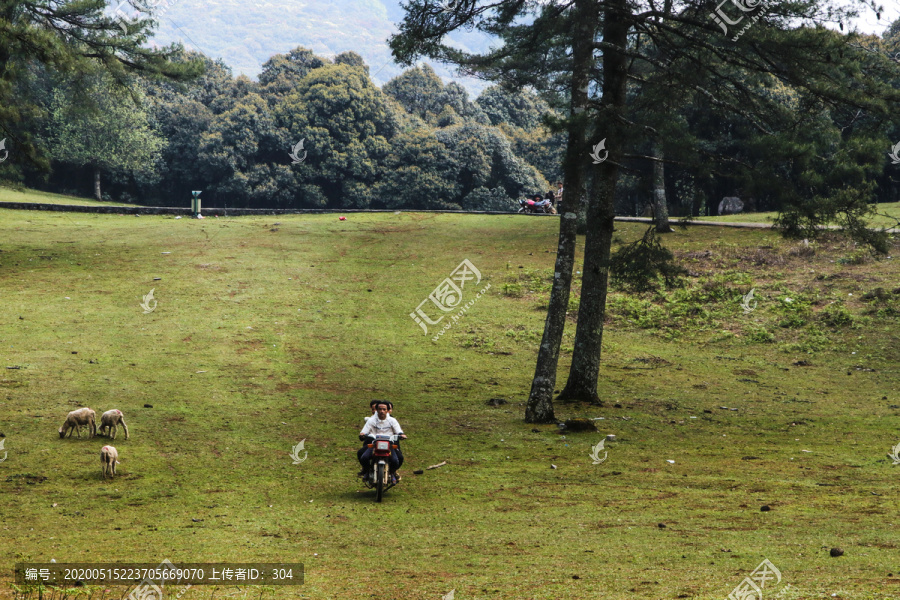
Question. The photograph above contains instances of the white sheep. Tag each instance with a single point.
(109, 458)
(78, 419)
(110, 420)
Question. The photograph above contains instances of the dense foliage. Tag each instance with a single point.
(417, 142)
(311, 133)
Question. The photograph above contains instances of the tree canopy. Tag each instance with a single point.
(70, 38)
(803, 106)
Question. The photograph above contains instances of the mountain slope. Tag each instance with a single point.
(245, 35)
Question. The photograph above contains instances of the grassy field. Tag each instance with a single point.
(887, 215)
(27, 195)
(273, 330)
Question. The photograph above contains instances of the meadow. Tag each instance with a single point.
(266, 331)
(886, 214)
(8, 194)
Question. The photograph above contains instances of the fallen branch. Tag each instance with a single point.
(440, 464)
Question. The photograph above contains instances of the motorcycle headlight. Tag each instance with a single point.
(382, 445)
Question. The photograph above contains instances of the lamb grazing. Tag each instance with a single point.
(110, 420)
(78, 419)
(109, 458)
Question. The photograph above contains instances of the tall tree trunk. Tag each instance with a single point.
(660, 207)
(582, 383)
(581, 211)
(97, 183)
(540, 400)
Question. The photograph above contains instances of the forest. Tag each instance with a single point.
(317, 132)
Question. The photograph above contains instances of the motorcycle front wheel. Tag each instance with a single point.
(379, 483)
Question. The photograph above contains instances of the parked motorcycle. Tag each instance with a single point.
(378, 475)
(531, 207)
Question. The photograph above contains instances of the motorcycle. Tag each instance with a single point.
(529, 206)
(379, 476)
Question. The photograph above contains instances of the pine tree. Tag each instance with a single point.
(684, 46)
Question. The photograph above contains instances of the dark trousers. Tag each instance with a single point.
(394, 462)
(359, 454)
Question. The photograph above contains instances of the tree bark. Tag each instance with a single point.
(540, 401)
(97, 184)
(660, 206)
(585, 369)
(581, 212)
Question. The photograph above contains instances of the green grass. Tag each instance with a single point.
(888, 216)
(271, 330)
(27, 195)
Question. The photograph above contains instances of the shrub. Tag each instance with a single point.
(878, 294)
(761, 335)
(641, 265)
(708, 291)
(857, 257)
(642, 313)
(512, 290)
(836, 315)
(794, 311)
(793, 321)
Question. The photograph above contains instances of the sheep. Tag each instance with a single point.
(110, 420)
(78, 419)
(109, 458)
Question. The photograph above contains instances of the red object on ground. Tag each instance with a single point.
(342, 218)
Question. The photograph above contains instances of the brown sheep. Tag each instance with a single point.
(109, 458)
(110, 420)
(78, 419)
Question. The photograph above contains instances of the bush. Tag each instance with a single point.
(857, 257)
(642, 313)
(761, 335)
(836, 315)
(795, 311)
(512, 290)
(639, 266)
(481, 198)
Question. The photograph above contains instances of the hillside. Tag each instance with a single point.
(266, 331)
(245, 35)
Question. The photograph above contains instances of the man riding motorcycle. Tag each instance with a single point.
(381, 424)
(374, 415)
